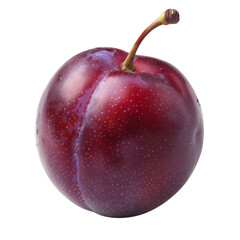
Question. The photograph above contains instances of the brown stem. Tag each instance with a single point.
(170, 16)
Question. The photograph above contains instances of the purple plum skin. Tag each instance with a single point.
(116, 142)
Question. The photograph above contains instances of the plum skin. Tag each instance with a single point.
(116, 142)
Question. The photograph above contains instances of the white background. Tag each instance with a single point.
(37, 37)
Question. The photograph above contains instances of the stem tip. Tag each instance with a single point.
(171, 16)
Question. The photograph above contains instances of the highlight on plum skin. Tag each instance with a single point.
(118, 142)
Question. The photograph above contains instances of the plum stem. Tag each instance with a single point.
(170, 16)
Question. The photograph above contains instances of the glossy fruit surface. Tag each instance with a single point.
(117, 142)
